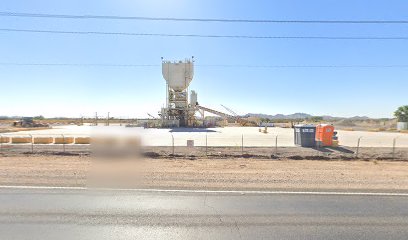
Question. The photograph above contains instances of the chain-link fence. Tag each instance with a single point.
(276, 146)
(213, 145)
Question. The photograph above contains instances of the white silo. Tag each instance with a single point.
(178, 76)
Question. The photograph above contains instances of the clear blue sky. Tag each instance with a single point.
(76, 91)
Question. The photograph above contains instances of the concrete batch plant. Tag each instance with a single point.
(181, 105)
(179, 110)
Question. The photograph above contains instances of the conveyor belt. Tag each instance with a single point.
(218, 113)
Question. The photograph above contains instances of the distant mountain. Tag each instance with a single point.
(359, 118)
(279, 116)
(302, 116)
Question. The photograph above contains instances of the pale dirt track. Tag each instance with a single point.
(234, 174)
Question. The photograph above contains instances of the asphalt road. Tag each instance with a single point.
(86, 214)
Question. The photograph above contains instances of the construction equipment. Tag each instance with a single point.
(150, 115)
(235, 117)
(230, 111)
(238, 119)
(218, 113)
(28, 122)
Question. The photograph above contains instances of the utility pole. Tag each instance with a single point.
(107, 122)
(96, 118)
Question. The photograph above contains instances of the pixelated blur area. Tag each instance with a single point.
(116, 160)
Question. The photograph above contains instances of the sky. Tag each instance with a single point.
(74, 91)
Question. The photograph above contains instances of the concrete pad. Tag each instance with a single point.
(228, 136)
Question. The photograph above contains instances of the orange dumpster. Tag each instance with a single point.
(324, 135)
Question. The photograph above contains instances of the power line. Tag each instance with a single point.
(198, 65)
(305, 66)
(198, 35)
(77, 64)
(115, 17)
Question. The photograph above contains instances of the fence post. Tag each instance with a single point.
(358, 146)
(63, 142)
(394, 142)
(172, 143)
(276, 144)
(206, 144)
(1, 143)
(242, 144)
(76, 179)
(32, 143)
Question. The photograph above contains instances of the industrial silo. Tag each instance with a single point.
(178, 76)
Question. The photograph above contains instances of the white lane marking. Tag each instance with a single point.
(210, 191)
(41, 187)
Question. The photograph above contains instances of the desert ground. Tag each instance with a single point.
(217, 174)
(239, 158)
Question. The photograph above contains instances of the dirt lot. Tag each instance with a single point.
(280, 153)
(295, 153)
(236, 173)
